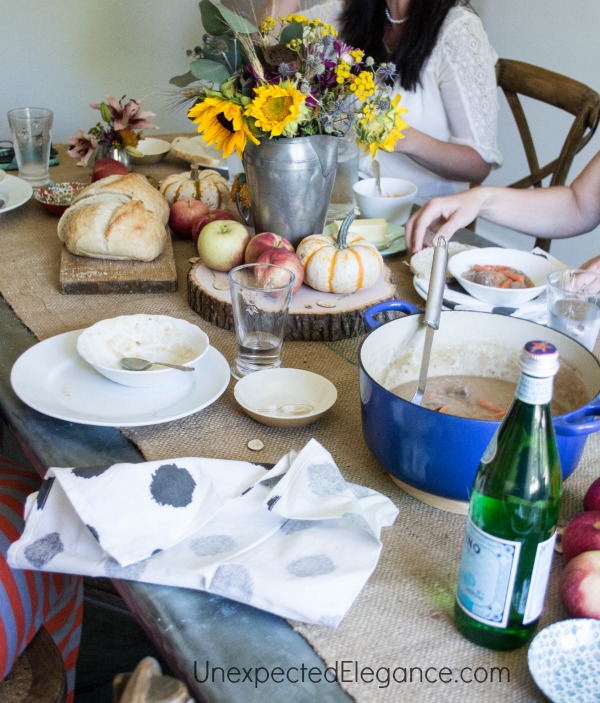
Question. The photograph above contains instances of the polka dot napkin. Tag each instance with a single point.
(297, 540)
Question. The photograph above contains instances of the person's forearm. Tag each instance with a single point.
(278, 8)
(456, 162)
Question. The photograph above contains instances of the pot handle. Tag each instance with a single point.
(388, 305)
(573, 424)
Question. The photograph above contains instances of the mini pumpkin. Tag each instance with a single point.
(338, 263)
(205, 185)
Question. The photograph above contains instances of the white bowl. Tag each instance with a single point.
(153, 150)
(285, 397)
(563, 660)
(394, 204)
(152, 337)
(532, 265)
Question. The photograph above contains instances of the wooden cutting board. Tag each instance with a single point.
(82, 274)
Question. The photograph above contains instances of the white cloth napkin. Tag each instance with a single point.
(297, 540)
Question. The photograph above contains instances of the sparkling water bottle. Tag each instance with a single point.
(513, 511)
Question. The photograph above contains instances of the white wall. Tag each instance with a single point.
(70, 53)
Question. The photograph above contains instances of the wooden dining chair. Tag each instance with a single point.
(517, 79)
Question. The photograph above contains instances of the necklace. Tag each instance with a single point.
(391, 20)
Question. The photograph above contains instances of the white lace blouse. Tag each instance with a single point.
(457, 101)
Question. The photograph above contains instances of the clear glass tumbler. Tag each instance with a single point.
(32, 139)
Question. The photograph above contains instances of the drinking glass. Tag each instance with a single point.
(574, 304)
(260, 297)
(32, 138)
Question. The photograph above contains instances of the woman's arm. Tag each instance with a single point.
(556, 212)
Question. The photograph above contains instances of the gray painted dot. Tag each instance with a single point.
(359, 521)
(290, 527)
(212, 544)
(172, 486)
(89, 471)
(325, 480)
(131, 572)
(44, 492)
(271, 481)
(94, 532)
(361, 491)
(316, 565)
(40, 552)
(233, 581)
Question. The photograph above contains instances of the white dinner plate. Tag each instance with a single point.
(52, 378)
(14, 191)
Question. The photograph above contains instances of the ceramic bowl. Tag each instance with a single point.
(534, 266)
(563, 660)
(152, 337)
(394, 204)
(285, 397)
(153, 150)
(56, 197)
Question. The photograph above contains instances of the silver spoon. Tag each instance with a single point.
(132, 363)
(377, 172)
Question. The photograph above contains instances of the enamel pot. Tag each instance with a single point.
(434, 456)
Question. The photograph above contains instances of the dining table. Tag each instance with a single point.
(398, 641)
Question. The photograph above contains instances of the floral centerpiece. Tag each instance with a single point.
(290, 77)
(121, 128)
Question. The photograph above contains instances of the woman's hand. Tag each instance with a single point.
(442, 217)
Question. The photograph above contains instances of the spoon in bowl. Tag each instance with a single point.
(288, 409)
(377, 172)
(132, 363)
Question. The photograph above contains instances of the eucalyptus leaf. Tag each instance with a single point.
(218, 20)
(183, 80)
(210, 71)
(294, 30)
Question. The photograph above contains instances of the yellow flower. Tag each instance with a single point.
(222, 123)
(276, 108)
(363, 85)
(380, 129)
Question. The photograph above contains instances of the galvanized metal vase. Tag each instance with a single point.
(290, 182)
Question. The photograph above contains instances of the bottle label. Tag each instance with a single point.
(535, 391)
(539, 580)
(488, 569)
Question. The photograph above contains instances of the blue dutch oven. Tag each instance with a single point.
(435, 456)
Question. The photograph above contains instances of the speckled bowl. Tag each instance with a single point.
(563, 660)
(55, 198)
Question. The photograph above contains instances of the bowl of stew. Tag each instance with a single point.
(501, 277)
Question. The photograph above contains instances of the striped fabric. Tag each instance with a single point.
(29, 599)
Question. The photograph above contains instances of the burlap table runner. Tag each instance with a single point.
(403, 619)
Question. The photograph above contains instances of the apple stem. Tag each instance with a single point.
(345, 226)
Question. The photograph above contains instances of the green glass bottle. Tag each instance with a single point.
(513, 511)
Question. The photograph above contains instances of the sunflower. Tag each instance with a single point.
(278, 109)
(380, 129)
(222, 124)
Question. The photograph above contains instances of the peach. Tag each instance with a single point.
(582, 534)
(579, 586)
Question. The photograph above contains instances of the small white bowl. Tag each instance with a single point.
(532, 265)
(285, 397)
(153, 150)
(152, 337)
(563, 660)
(394, 204)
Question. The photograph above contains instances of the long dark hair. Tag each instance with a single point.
(363, 23)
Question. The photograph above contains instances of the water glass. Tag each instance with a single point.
(260, 298)
(342, 196)
(32, 139)
(574, 304)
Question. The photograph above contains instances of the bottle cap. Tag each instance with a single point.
(539, 359)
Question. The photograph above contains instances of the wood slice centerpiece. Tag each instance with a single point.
(313, 316)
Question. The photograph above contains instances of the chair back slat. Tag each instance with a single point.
(517, 78)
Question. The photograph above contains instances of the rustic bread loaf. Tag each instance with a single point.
(116, 218)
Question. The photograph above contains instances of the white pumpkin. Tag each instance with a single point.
(206, 185)
(338, 263)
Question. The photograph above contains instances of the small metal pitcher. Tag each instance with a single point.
(290, 182)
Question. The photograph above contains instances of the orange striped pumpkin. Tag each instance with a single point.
(339, 263)
(207, 186)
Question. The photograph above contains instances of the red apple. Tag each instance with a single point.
(579, 586)
(261, 242)
(210, 216)
(107, 167)
(286, 258)
(582, 534)
(221, 244)
(184, 214)
(591, 499)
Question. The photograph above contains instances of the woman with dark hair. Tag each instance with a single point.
(446, 77)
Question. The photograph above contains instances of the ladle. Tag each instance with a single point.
(132, 363)
(377, 172)
(433, 310)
